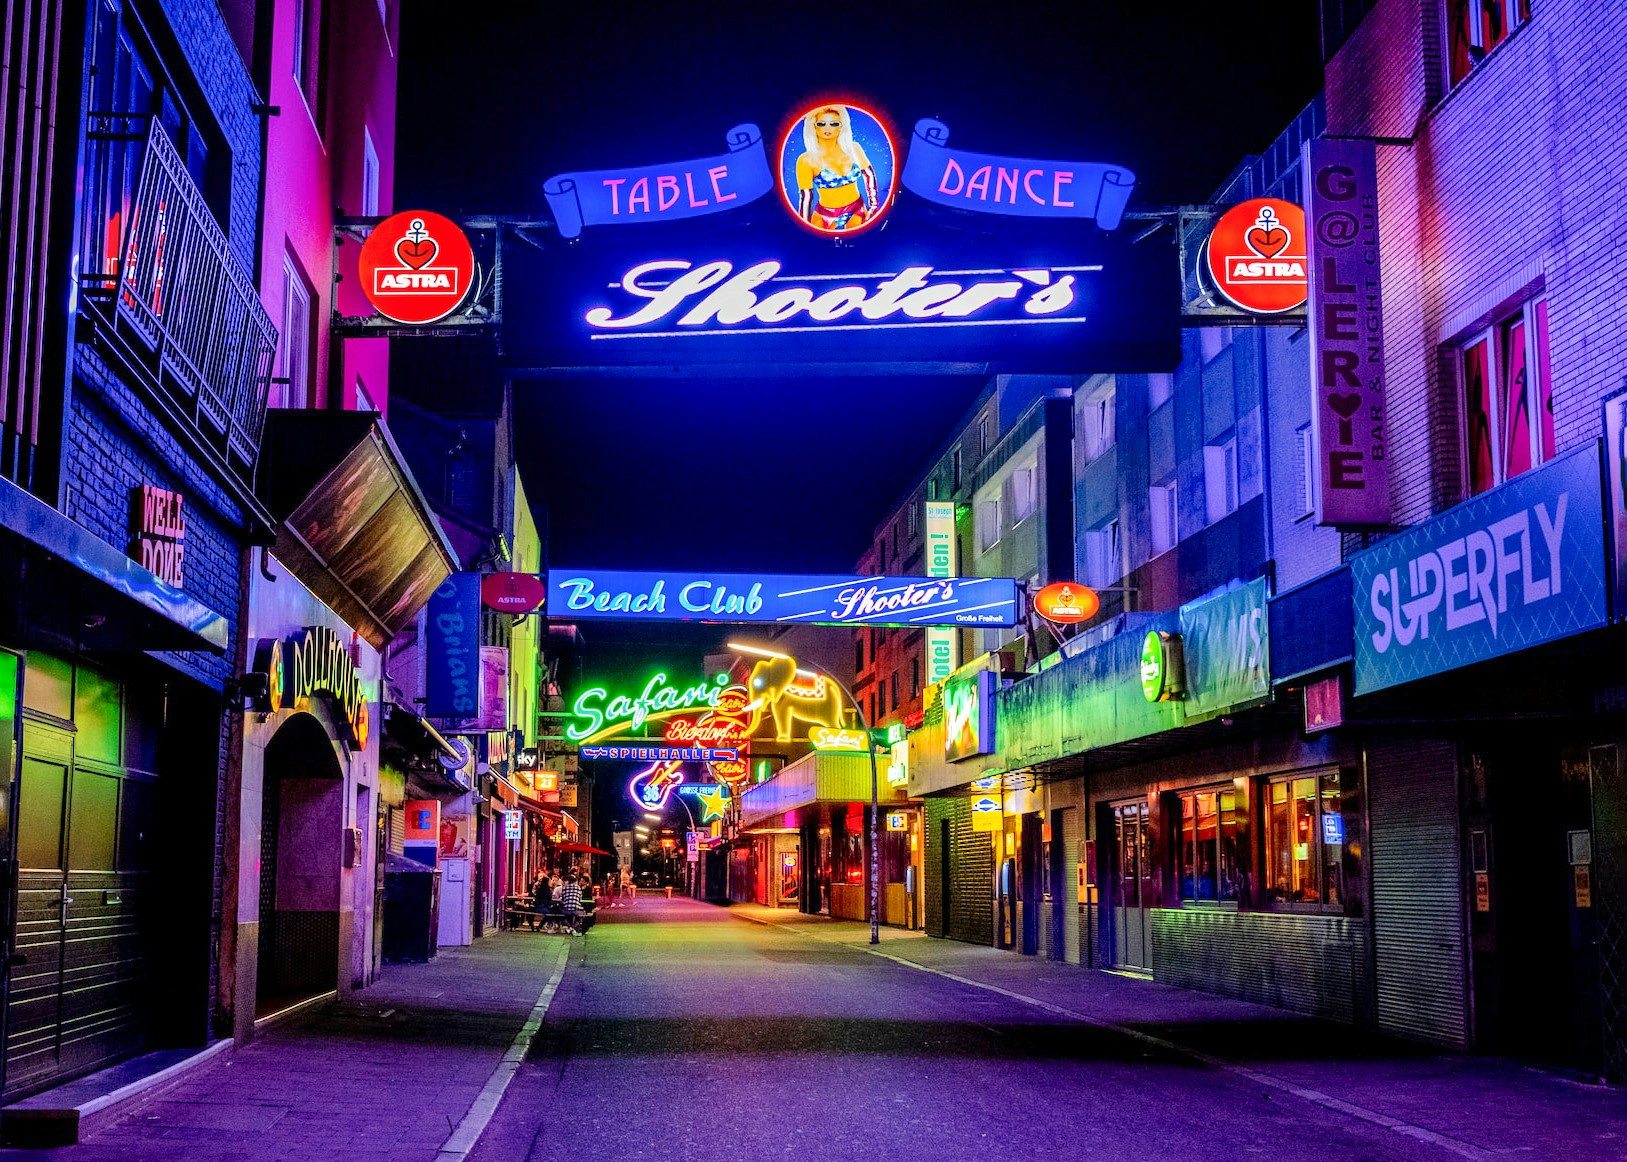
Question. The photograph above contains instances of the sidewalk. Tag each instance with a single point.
(387, 1074)
(1475, 1107)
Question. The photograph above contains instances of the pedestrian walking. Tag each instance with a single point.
(570, 902)
(629, 886)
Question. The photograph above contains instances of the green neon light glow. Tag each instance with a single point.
(597, 712)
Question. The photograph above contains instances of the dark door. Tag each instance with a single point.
(944, 881)
(1032, 886)
(1131, 896)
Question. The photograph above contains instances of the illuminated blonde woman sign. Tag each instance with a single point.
(837, 168)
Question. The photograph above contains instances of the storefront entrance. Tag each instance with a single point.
(1132, 896)
(301, 824)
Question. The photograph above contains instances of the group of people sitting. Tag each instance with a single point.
(570, 903)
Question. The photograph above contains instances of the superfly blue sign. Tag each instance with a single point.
(1515, 567)
(816, 599)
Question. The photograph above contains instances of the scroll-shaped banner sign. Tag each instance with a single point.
(1013, 185)
(661, 193)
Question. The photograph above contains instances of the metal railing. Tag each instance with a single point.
(174, 293)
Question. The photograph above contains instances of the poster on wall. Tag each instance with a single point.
(454, 837)
(422, 831)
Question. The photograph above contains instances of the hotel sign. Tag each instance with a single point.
(942, 642)
(1512, 568)
(813, 599)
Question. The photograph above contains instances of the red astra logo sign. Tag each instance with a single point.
(1256, 256)
(1065, 603)
(416, 267)
(513, 592)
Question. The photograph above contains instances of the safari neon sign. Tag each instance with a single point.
(680, 297)
(599, 715)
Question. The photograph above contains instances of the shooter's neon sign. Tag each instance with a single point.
(721, 301)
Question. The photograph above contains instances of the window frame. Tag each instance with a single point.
(1305, 449)
(1533, 316)
(1316, 853)
(1026, 472)
(1164, 499)
(294, 280)
(1239, 835)
(1224, 454)
(1515, 15)
(1098, 427)
(988, 507)
(372, 175)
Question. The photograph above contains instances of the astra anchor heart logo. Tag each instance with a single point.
(1267, 237)
(416, 249)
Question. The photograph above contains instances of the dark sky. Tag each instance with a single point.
(696, 473)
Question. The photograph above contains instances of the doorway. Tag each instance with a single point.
(1032, 890)
(301, 829)
(1132, 895)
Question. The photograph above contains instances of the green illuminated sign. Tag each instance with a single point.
(1163, 672)
(597, 713)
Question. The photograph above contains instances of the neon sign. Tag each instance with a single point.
(792, 695)
(1065, 603)
(713, 800)
(816, 599)
(651, 787)
(1013, 185)
(722, 301)
(661, 754)
(599, 715)
(728, 727)
(968, 715)
(826, 738)
(317, 662)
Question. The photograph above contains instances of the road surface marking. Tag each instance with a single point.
(474, 1123)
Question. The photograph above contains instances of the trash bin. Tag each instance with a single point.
(412, 906)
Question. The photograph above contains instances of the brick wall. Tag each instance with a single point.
(971, 874)
(1512, 185)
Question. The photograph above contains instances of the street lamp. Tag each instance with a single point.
(875, 790)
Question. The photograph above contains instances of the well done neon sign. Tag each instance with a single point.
(716, 298)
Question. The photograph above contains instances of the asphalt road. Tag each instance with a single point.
(682, 1031)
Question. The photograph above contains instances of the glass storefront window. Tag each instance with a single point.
(1206, 856)
(1305, 841)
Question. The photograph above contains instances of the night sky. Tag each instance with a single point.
(692, 473)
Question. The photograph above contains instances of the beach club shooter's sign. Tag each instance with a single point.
(815, 599)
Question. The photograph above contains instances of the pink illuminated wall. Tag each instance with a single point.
(315, 164)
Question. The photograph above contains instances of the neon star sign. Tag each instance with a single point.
(713, 800)
(600, 715)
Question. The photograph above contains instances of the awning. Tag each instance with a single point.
(62, 586)
(354, 527)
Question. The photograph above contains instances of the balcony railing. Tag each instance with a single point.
(172, 291)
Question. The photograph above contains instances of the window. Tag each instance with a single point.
(1508, 411)
(1161, 511)
(1304, 841)
(1159, 388)
(1475, 27)
(1097, 424)
(1305, 453)
(914, 519)
(892, 689)
(1206, 854)
(954, 470)
(1220, 479)
(915, 678)
(858, 651)
(1102, 555)
(988, 524)
(932, 489)
(364, 398)
(982, 436)
(294, 347)
(1022, 493)
(897, 536)
(370, 174)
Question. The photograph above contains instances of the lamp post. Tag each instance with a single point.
(875, 789)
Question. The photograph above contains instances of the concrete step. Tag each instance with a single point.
(63, 1115)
